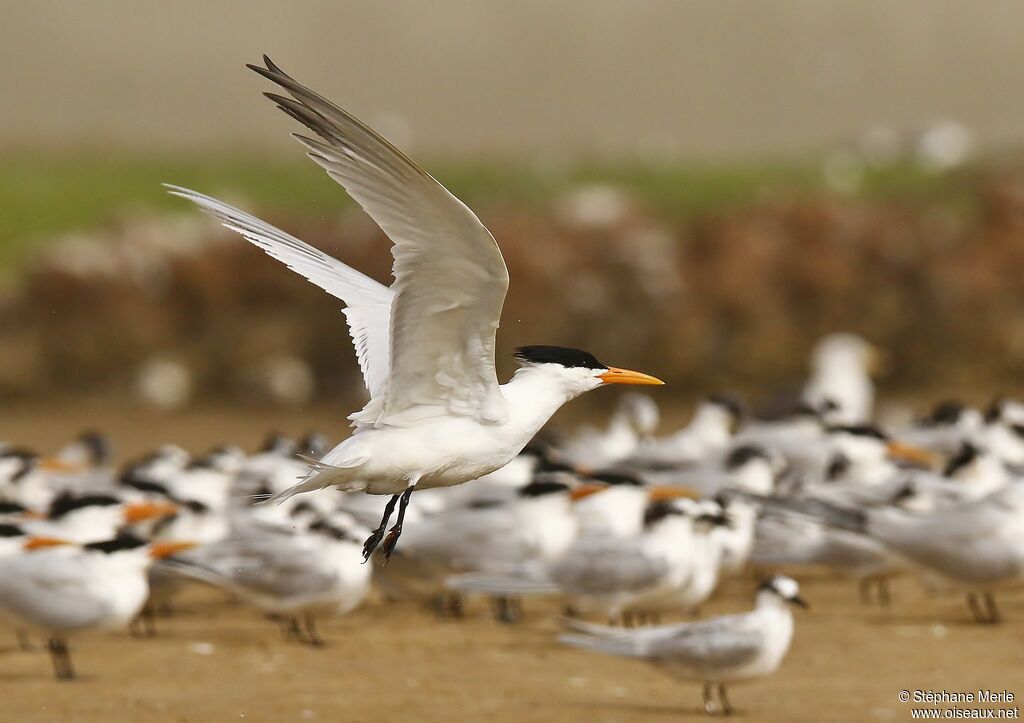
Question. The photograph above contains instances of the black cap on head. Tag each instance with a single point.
(945, 413)
(729, 403)
(137, 481)
(745, 453)
(994, 410)
(860, 430)
(124, 541)
(657, 511)
(11, 508)
(66, 503)
(616, 477)
(539, 488)
(558, 355)
(99, 447)
(963, 458)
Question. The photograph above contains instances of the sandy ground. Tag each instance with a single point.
(215, 661)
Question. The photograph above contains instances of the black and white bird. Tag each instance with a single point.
(437, 416)
(60, 590)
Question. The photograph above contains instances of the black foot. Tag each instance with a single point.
(391, 541)
(395, 532)
(377, 535)
(371, 543)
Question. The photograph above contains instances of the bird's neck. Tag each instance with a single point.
(533, 396)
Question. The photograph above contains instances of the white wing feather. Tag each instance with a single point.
(450, 278)
(368, 303)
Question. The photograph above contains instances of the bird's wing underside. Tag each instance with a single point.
(368, 303)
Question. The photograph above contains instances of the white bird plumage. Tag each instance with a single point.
(436, 415)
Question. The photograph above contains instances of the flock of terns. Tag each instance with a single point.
(621, 525)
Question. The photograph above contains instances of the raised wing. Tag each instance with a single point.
(450, 278)
(368, 303)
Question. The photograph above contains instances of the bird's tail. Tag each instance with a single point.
(194, 571)
(501, 584)
(321, 476)
(612, 645)
(827, 513)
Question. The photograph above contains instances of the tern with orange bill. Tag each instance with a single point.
(60, 589)
(437, 416)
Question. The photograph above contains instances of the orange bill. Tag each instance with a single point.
(55, 465)
(614, 375)
(914, 455)
(39, 542)
(585, 490)
(160, 550)
(140, 511)
(659, 493)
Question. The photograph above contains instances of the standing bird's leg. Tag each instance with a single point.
(377, 535)
(709, 699)
(61, 657)
(975, 608)
(312, 636)
(992, 612)
(724, 700)
(883, 592)
(24, 642)
(395, 532)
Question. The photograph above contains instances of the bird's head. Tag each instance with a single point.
(783, 589)
(578, 371)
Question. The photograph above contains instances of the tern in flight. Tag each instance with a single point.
(437, 416)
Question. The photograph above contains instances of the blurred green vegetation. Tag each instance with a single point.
(43, 194)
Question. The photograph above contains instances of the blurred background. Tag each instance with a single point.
(698, 189)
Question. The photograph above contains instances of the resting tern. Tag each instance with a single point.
(714, 423)
(840, 385)
(61, 591)
(718, 651)
(296, 575)
(437, 416)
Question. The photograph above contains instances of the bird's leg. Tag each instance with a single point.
(395, 532)
(505, 609)
(61, 657)
(724, 700)
(147, 619)
(976, 612)
(992, 612)
(377, 535)
(709, 700)
(883, 592)
(312, 637)
(290, 629)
